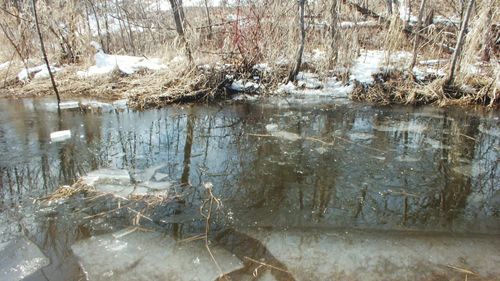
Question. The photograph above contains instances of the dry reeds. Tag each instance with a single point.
(241, 34)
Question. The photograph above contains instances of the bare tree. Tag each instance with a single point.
(17, 48)
(300, 53)
(417, 34)
(179, 26)
(488, 38)
(44, 53)
(458, 47)
(209, 20)
(333, 33)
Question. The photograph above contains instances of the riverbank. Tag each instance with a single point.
(375, 77)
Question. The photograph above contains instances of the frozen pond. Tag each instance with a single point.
(310, 190)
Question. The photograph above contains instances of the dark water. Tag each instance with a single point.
(297, 165)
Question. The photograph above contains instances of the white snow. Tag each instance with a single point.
(422, 73)
(106, 63)
(245, 97)
(404, 13)
(368, 64)
(446, 21)
(432, 62)
(351, 24)
(262, 67)
(39, 72)
(374, 61)
(178, 60)
(242, 86)
(286, 88)
(60, 135)
(365, 66)
(68, 105)
(4, 65)
(164, 5)
(308, 80)
(272, 127)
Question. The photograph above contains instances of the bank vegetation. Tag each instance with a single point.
(159, 52)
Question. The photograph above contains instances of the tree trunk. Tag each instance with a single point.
(44, 53)
(458, 47)
(488, 39)
(99, 33)
(417, 32)
(333, 33)
(389, 7)
(179, 26)
(209, 20)
(298, 63)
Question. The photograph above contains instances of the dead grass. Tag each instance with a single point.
(260, 33)
(110, 87)
(194, 85)
(398, 88)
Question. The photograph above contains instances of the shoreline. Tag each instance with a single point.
(155, 89)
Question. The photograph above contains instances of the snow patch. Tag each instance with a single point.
(372, 62)
(39, 72)
(60, 135)
(262, 67)
(106, 63)
(351, 24)
(4, 65)
(241, 86)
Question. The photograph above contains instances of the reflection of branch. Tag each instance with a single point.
(323, 142)
(267, 265)
(466, 136)
(463, 270)
(208, 187)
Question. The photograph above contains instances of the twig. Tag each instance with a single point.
(323, 142)
(463, 270)
(193, 238)
(208, 187)
(267, 265)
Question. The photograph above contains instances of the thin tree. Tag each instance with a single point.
(17, 48)
(488, 38)
(458, 47)
(300, 53)
(417, 34)
(44, 53)
(209, 20)
(388, 3)
(179, 26)
(333, 33)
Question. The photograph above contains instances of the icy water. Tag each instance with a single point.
(311, 190)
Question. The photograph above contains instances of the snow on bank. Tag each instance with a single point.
(372, 62)
(309, 85)
(423, 73)
(4, 65)
(39, 72)
(365, 67)
(242, 86)
(351, 24)
(106, 63)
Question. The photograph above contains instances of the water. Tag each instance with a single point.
(281, 168)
